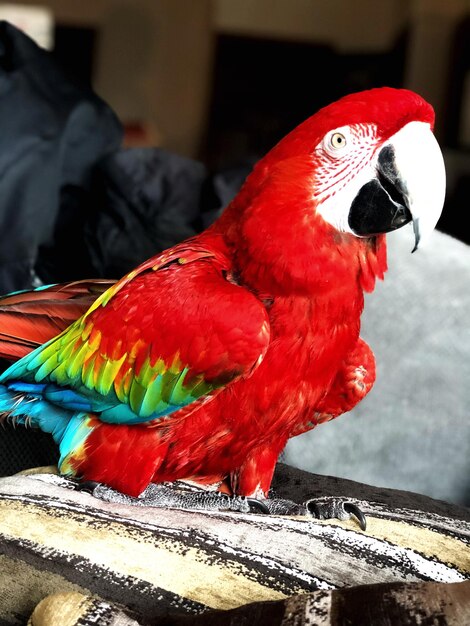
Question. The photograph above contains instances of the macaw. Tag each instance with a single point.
(202, 362)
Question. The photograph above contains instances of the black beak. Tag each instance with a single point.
(381, 204)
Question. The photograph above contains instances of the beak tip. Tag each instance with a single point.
(416, 233)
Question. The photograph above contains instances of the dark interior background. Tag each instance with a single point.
(261, 88)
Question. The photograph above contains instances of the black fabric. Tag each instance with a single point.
(24, 448)
(73, 202)
(140, 202)
(146, 200)
(53, 131)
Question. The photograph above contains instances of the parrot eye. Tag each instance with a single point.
(337, 141)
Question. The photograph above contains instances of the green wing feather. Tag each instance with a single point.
(85, 368)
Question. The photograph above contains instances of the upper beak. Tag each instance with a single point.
(410, 186)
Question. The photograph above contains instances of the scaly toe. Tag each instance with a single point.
(335, 508)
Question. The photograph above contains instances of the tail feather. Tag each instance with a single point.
(69, 429)
(33, 410)
(30, 318)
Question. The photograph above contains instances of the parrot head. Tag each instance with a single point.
(328, 192)
(376, 164)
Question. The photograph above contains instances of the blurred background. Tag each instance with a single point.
(223, 80)
(219, 82)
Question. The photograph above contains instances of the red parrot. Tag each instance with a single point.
(200, 364)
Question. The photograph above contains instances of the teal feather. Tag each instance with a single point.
(32, 409)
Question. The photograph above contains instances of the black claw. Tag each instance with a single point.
(335, 509)
(313, 508)
(257, 505)
(356, 511)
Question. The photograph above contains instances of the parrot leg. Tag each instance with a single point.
(177, 495)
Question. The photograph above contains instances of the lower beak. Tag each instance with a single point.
(409, 186)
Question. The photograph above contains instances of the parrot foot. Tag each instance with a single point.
(339, 508)
(180, 495)
(177, 496)
(320, 508)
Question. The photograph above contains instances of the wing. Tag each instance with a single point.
(169, 334)
(30, 318)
